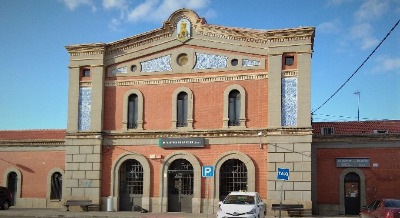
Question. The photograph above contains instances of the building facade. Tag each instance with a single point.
(148, 112)
(353, 164)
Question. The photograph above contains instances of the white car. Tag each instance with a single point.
(242, 204)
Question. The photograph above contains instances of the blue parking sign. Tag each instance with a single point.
(283, 174)
(208, 171)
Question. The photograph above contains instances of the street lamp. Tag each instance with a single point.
(358, 106)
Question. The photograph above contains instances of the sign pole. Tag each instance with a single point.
(207, 171)
(280, 205)
(207, 195)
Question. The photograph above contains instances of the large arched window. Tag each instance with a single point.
(132, 111)
(234, 108)
(233, 176)
(182, 110)
(56, 186)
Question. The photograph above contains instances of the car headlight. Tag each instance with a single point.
(252, 211)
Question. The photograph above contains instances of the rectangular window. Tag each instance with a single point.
(86, 73)
(327, 130)
(381, 131)
(289, 60)
(132, 111)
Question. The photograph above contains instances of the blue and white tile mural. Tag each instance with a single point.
(158, 64)
(208, 61)
(85, 103)
(250, 63)
(289, 101)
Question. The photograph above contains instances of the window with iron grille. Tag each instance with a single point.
(182, 181)
(327, 130)
(182, 109)
(232, 177)
(56, 186)
(131, 177)
(132, 111)
(234, 108)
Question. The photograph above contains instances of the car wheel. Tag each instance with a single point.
(5, 205)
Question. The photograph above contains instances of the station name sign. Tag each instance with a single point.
(353, 162)
(180, 142)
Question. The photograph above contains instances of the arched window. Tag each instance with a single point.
(132, 111)
(233, 177)
(182, 109)
(56, 186)
(234, 108)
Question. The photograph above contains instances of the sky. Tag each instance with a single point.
(34, 61)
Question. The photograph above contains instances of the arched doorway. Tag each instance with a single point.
(352, 193)
(180, 186)
(130, 186)
(232, 177)
(12, 184)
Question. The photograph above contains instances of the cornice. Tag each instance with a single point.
(359, 138)
(34, 143)
(86, 49)
(200, 30)
(132, 82)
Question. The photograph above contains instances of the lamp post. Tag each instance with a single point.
(358, 106)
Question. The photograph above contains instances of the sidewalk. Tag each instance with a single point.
(44, 212)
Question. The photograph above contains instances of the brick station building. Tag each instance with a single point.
(146, 113)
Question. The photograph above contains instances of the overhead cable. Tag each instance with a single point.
(358, 67)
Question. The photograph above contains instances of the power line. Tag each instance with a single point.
(340, 117)
(376, 48)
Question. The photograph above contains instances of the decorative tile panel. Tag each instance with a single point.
(289, 101)
(158, 64)
(208, 61)
(250, 63)
(85, 102)
(120, 70)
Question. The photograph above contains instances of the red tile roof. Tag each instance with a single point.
(40, 134)
(357, 127)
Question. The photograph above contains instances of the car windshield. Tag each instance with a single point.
(239, 199)
(392, 203)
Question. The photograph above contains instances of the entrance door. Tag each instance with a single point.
(232, 177)
(13, 185)
(180, 186)
(131, 186)
(352, 193)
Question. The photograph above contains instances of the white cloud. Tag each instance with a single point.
(73, 4)
(142, 10)
(386, 64)
(336, 2)
(369, 43)
(155, 11)
(360, 30)
(329, 27)
(114, 25)
(118, 4)
(362, 35)
(371, 9)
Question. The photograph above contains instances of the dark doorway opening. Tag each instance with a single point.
(232, 177)
(131, 186)
(180, 186)
(352, 193)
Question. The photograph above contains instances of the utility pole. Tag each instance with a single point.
(358, 106)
